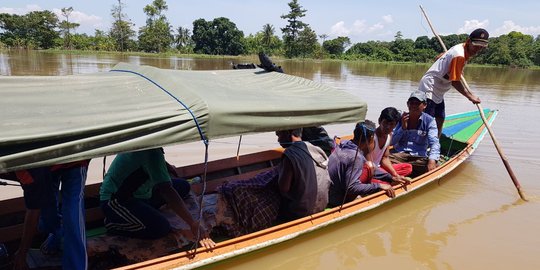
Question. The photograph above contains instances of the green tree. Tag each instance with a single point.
(81, 42)
(336, 46)
(307, 42)
(536, 51)
(121, 30)
(268, 34)
(372, 50)
(323, 37)
(403, 49)
(101, 41)
(291, 32)
(449, 41)
(182, 40)
(66, 27)
(156, 35)
(33, 30)
(422, 42)
(218, 37)
(513, 49)
(270, 43)
(255, 44)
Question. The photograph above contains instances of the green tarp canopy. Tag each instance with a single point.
(47, 120)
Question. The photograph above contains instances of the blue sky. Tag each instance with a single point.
(359, 20)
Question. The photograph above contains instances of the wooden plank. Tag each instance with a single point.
(227, 163)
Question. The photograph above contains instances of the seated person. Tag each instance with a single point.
(135, 186)
(318, 136)
(345, 166)
(384, 169)
(415, 137)
(297, 180)
(249, 205)
(253, 204)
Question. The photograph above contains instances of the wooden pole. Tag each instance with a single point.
(486, 124)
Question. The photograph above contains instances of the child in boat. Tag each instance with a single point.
(382, 169)
(135, 186)
(345, 166)
(415, 138)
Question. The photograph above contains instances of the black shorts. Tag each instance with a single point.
(434, 109)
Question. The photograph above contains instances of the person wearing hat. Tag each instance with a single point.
(446, 72)
(415, 139)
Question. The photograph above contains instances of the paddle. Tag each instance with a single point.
(481, 111)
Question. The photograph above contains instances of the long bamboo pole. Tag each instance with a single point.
(481, 111)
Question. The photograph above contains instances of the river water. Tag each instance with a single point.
(471, 219)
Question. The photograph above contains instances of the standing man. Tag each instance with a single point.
(446, 72)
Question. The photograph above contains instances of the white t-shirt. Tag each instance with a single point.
(438, 79)
(378, 152)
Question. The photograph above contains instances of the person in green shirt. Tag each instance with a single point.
(135, 186)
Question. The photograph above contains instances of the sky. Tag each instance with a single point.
(360, 20)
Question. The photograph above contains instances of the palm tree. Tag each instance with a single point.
(268, 33)
(183, 37)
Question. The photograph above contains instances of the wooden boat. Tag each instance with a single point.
(462, 134)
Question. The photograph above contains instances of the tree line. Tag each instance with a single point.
(221, 36)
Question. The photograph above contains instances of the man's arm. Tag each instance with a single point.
(352, 182)
(398, 133)
(434, 145)
(386, 164)
(31, 219)
(176, 203)
(459, 86)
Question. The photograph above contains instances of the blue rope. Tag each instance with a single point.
(203, 138)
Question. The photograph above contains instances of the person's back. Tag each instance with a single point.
(318, 136)
(297, 176)
(302, 195)
(320, 162)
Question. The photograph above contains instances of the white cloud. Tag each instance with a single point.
(388, 18)
(469, 26)
(358, 28)
(376, 28)
(509, 26)
(20, 11)
(81, 18)
(87, 22)
(339, 29)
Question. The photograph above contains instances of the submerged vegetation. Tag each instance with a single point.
(220, 36)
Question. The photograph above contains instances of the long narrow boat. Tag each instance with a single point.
(461, 135)
(115, 132)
